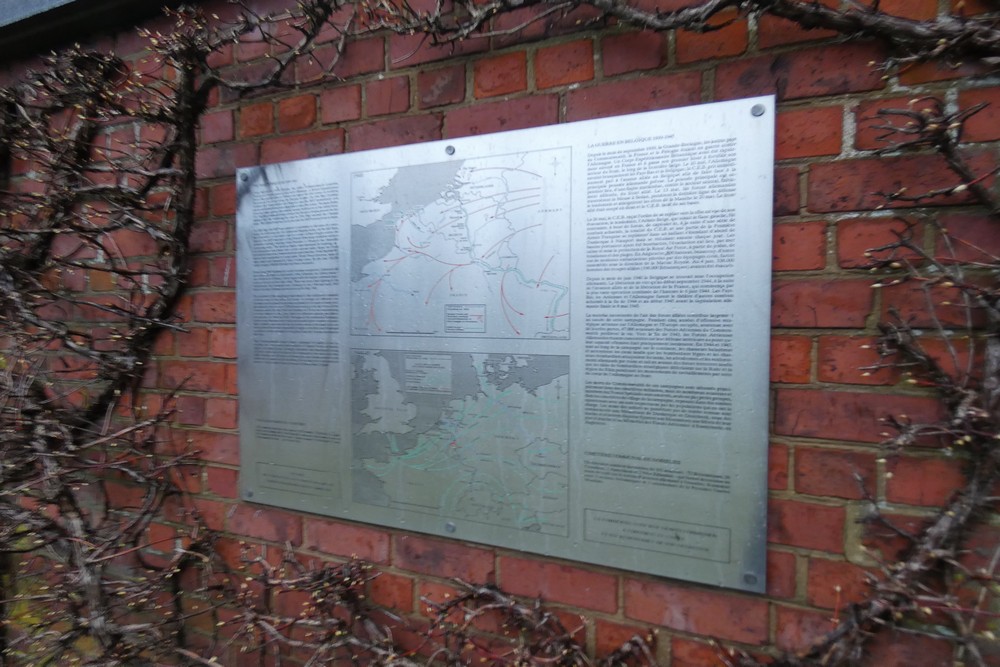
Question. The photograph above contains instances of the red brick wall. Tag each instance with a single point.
(825, 411)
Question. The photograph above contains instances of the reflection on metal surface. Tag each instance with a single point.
(552, 340)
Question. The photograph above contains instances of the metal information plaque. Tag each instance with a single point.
(552, 340)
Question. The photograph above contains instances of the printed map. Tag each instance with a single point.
(468, 248)
(477, 437)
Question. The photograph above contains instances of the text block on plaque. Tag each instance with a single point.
(551, 340)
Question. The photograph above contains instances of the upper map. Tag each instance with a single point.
(466, 248)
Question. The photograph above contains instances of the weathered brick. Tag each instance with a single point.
(812, 72)
(217, 126)
(633, 51)
(897, 647)
(209, 236)
(412, 50)
(697, 610)
(443, 559)
(223, 482)
(221, 412)
(937, 70)
(984, 125)
(387, 96)
(809, 132)
(340, 104)
(609, 636)
(857, 236)
(360, 56)
(193, 342)
(395, 132)
(439, 87)
(338, 538)
(923, 481)
(256, 119)
(513, 114)
(223, 199)
(775, 31)
(214, 307)
(799, 246)
(726, 40)
(853, 360)
(973, 236)
(270, 525)
(392, 591)
(197, 375)
(301, 146)
(559, 583)
(833, 472)
(869, 133)
(644, 94)
(190, 410)
(791, 359)
(564, 64)
(786, 191)
(796, 629)
(500, 75)
(296, 113)
(781, 574)
(218, 161)
(821, 303)
(832, 584)
(845, 415)
(805, 525)
(223, 343)
(777, 467)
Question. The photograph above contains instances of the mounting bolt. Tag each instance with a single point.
(450, 527)
(757, 110)
(244, 178)
(450, 150)
(248, 493)
(750, 578)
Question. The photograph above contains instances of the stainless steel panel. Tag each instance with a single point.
(551, 340)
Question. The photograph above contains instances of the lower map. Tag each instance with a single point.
(479, 437)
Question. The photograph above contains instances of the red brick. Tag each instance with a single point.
(897, 647)
(983, 125)
(443, 559)
(806, 525)
(791, 359)
(923, 481)
(644, 94)
(301, 146)
(223, 198)
(857, 236)
(214, 307)
(911, 9)
(500, 75)
(217, 126)
(395, 132)
(209, 236)
(190, 410)
(728, 40)
(417, 49)
(345, 539)
(821, 303)
(296, 113)
(392, 591)
(786, 191)
(610, 636)
(809, 132)
(270, 525)
(697, 610)
(781, 574)
(559, 583)
(777, 467)
(256, 119)
(974, 238)
(212, 447)
(633, 51)
(813, 72)
(221, 412)
(130, 244)
(938, 70)
(775, 31)
(844, 415)
(360, 57)
(223, 343)
(387, 96)
(912, 301)
(831, 472)
(796, 629)
(223, 482)
(193, 342)
(219, 161)
(848, 360)
(513, 114)
(826, 576)
(564, 64)
(196, 375)
(868, 134)
(688, 653)
(439, 87)
(799, 246)
(340, 104)
(532, 25)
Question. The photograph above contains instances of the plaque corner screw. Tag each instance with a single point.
(248, 493)
(757, 110)
(750, 578)
(450, 150)
(244, 177)
(450, 527)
